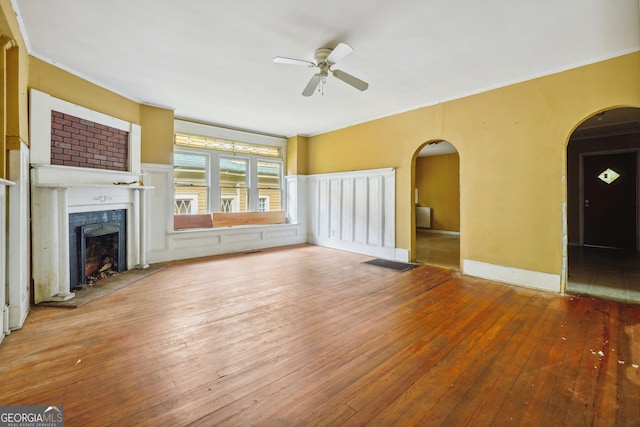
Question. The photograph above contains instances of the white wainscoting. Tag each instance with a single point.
(4, 307)
(354, 211)
(165, 244)
(19, 254)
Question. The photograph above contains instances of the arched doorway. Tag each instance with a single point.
(437, 205)
(603, 214)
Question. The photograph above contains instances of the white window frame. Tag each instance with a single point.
(213, 161)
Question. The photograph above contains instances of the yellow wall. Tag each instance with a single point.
(512, 146)
(18, 61)
(15, 66)
(156, 123)
(438, 184)
(296, 162)
(157, 135)
(66, 86)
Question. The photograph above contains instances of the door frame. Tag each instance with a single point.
(581, 188)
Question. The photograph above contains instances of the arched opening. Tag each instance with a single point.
(437, 205)
(603, 215)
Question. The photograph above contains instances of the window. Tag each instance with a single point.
(185, 204)
(219, 175)
(228, 204)
(269, 186)
(191, 184)
(263, 204)
(233, 183)
(609, 176)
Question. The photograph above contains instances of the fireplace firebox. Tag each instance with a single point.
(97, 245)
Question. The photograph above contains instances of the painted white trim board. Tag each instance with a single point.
(512, 276)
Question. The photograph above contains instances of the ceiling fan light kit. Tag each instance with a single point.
(324, 59)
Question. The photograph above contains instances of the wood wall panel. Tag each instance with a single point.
(354, 211)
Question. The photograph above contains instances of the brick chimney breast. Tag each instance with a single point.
(83, 143)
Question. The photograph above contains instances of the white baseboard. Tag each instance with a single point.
(512, 276)
(428, 230)
(402, 255)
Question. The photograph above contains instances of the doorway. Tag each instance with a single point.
(603, 257)
(609, 200)
(437, 205)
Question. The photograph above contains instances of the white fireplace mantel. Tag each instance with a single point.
(59, 191)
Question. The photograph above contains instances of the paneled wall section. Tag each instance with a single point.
(354, 211)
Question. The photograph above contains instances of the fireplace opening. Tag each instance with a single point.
(97, 246)
(99, 252)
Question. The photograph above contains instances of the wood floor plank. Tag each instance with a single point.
(538, 367)
(456, 371)
(384, 363)
(398, 400)
(478, 363)
(307, 335)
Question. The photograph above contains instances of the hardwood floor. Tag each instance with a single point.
(439, 249)
(605, 273)
(312, 336)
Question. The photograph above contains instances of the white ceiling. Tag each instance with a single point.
(211, 60)
(437, 148)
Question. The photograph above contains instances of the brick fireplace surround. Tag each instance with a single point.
(81, 161)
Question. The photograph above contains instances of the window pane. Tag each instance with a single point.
(191, 189)
(609, 176)
(269, 195)
(263, 204)
(233, 184)
(268, 175)
(186, 203)
(224, 145)
(226, 204)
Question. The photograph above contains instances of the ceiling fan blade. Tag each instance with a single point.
(282, 60)
(312, 85)
(350, 80)
(339, 52)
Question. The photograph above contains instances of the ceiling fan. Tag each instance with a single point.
(324, 59)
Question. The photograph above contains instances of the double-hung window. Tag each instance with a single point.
(213, 175)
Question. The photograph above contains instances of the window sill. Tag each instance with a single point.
(226, 220)
(214, 231)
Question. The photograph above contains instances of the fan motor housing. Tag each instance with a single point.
(321, 55)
